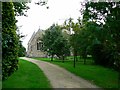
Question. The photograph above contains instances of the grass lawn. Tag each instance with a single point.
(27, 76)
(103, 77)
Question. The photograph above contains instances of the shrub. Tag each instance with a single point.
(102, 56)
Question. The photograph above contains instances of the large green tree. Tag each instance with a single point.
(54, 42)
(10, 39)
(106, 14)
(61, 47)
(11, 43)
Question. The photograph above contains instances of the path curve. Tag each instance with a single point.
(59, 77)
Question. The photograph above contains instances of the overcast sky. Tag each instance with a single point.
(39, 16)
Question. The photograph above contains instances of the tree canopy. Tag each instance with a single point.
(10, 39)
(54, 43)
(106, 15)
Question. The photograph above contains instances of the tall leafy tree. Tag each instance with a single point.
(106, 14)
(73, 28)
(61, 47)
(54, 42)
(48, 40)
(10, 39)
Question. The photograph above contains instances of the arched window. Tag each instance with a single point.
(39, 44)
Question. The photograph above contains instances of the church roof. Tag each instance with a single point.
(34, 35)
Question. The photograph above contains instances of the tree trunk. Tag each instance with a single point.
(52, 58)
(85, 56)
(76, 56)
(63, 59)
(84, 60)
(74, 60)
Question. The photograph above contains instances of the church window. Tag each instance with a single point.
(39, 45)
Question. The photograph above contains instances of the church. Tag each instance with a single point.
(34, 45)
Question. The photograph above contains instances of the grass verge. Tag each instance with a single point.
(27, 76)
(101, 76)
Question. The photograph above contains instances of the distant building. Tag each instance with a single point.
(35, 44)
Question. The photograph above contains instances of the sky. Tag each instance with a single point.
(43, 18)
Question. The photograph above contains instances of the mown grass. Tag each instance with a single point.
(101, 76)
(27, 76)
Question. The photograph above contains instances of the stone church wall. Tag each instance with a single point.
(32, 45)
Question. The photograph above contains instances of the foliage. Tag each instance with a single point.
(20, 8)
(22, 50)
(97, 34)
(9, 41)
(42, 3)
(106, 15)
(61, 47)
(54, 42)
(81, 39)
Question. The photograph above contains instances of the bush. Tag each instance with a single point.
(102, 56)
(22, 50)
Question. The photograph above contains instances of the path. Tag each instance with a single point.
(59, 77)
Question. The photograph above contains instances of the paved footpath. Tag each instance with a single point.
(59, 77)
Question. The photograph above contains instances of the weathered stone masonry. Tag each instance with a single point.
(34, 45)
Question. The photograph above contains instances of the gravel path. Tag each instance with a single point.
(59, 77)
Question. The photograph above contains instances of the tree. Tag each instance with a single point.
(48, 40)
(109, 13)
(21, 50)
(54, 43)
(106, 14)
(61, 47)
(9, 41)
(74, 37)
(20, 8)
(10, 38)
